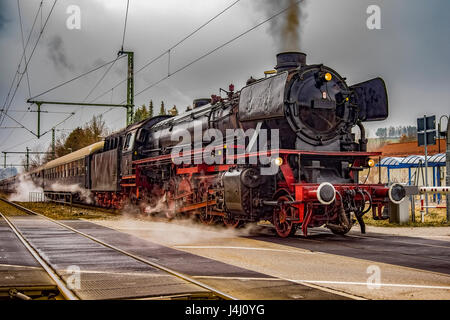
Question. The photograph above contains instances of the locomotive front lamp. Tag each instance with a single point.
(278, 161)
(328, 76)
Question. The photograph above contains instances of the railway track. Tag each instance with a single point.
(189, 288)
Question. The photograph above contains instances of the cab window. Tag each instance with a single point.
(129, 141)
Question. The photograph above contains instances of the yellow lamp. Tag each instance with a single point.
(278, 161)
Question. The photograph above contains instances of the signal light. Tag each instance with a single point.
(371, 163)
(328, 76)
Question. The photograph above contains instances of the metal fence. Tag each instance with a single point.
(64, 198)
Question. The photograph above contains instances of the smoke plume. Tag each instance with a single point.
(286, 29)
(57, 53)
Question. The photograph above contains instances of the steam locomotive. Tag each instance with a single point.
(312, 165)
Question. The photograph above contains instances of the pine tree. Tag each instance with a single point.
(141, 114)
(162, 112)
(150, 109)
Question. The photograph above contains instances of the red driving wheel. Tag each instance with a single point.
(281, 214)
(206, 218)
(230, 222)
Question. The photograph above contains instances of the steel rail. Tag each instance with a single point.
(65, 291)
(138, 258)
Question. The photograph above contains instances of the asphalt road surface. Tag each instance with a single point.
(385, 263)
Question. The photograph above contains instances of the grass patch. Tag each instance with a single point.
(434, 218)
(61, 212)
(9, 210)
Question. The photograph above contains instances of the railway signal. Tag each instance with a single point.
(426, 135)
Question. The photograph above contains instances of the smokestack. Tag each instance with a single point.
(287, 61)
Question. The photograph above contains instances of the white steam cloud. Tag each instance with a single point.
(23, 189)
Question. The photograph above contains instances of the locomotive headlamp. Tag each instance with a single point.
(278, 161)
(328, 76)
(371, 163)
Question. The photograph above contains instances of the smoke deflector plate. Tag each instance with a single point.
(263, 99)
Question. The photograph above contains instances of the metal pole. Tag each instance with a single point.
(411, 199)
(447, 182)
(28, 159)
(4, 163)
(53, 143)
(426, 161)
(379, 170)
(130, 88)
(39, 120)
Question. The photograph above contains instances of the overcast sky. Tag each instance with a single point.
(411, 53)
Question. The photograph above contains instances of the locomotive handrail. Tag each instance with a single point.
(267, 153)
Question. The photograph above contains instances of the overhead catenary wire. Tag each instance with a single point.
(165, 52)
(17, 145)
(20, 124)
(211, 52)
(5, 112)
(125, 24)
(25, 59)
(102, 77)
(20, 61)
(27, 62)
(201, 57)
(111, 63)
(76, 78)
(218, 48)
(31, 55)
(23, 46)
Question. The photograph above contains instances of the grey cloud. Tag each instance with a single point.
(4, 12)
